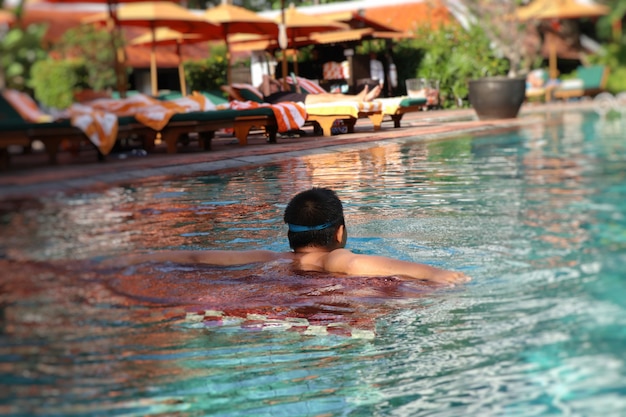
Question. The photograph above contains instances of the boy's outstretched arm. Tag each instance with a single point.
(211, 257)
(344, 261)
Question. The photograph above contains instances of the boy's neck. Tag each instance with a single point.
(312, 249)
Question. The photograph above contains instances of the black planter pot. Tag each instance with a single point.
(497, 97)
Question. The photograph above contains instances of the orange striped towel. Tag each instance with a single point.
(98, 118)
(289, 115)
(100, 127)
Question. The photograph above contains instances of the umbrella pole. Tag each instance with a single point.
(284, 54)
(229, 73)
(295, 60)
(181, 71)
(554, 72)
(153, 69)
(118, 56)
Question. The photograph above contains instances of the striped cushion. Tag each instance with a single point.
(25, 106)
(249, 92)
(306, 85)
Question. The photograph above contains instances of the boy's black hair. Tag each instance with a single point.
(313, 217)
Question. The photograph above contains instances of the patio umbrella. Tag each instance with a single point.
(295, 24)
(156, 14)
(559, 9)
(166, 36)
(115, 34)
(235, 19)
(6, 17)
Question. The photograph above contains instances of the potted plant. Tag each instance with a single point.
(496, 97)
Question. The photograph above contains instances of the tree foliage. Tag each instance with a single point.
(55, 81)
(453, 56)
(93, 47)
(207, 74)
(19, 50)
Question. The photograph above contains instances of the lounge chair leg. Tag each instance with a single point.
(376, 119)
(5, 159)
(204, 138)
(271, 134)
(170, 138)
(52, 149)
(148, 141)
(396, 119)
(350, 124)
(325, 123)
(241, 133)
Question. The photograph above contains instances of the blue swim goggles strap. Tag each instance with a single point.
(296, 228)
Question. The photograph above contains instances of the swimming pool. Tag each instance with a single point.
(535, 215)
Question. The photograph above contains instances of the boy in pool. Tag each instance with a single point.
(317, 234)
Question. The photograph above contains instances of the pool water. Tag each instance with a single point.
(535, 215)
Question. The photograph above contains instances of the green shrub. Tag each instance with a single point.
(206, 74)
(94, 47)
(19, 50)
(454, 56)
(55, 81)
(614, 57)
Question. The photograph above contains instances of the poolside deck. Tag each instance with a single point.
(30, 175)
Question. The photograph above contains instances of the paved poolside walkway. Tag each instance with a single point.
(30, 175)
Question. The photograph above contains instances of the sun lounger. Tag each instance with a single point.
(22, 122)
(179, 116)
(324, 115)
(327, 114)
(206, 123)
(394, 107)
(590, 81)
(397, 107)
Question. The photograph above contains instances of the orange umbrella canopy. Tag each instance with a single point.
(302, 24)
(153, 14)
(160, 14)
(294, 24)
(6, 17)
(561, 9)
(166, 36)
(119, 55)
(235, 19)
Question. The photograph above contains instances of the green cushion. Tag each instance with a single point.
(214, 97)
(412, 101)
(116, 94)
(7, 112)
(249, 95)
(226, 114)
(591, 76)
(10, 125)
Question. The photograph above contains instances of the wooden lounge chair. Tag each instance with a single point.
(206, 123)
(323, 115)
(21, 124)
(589, 82)
(174, 117)
(393, 107)
(397, 107)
